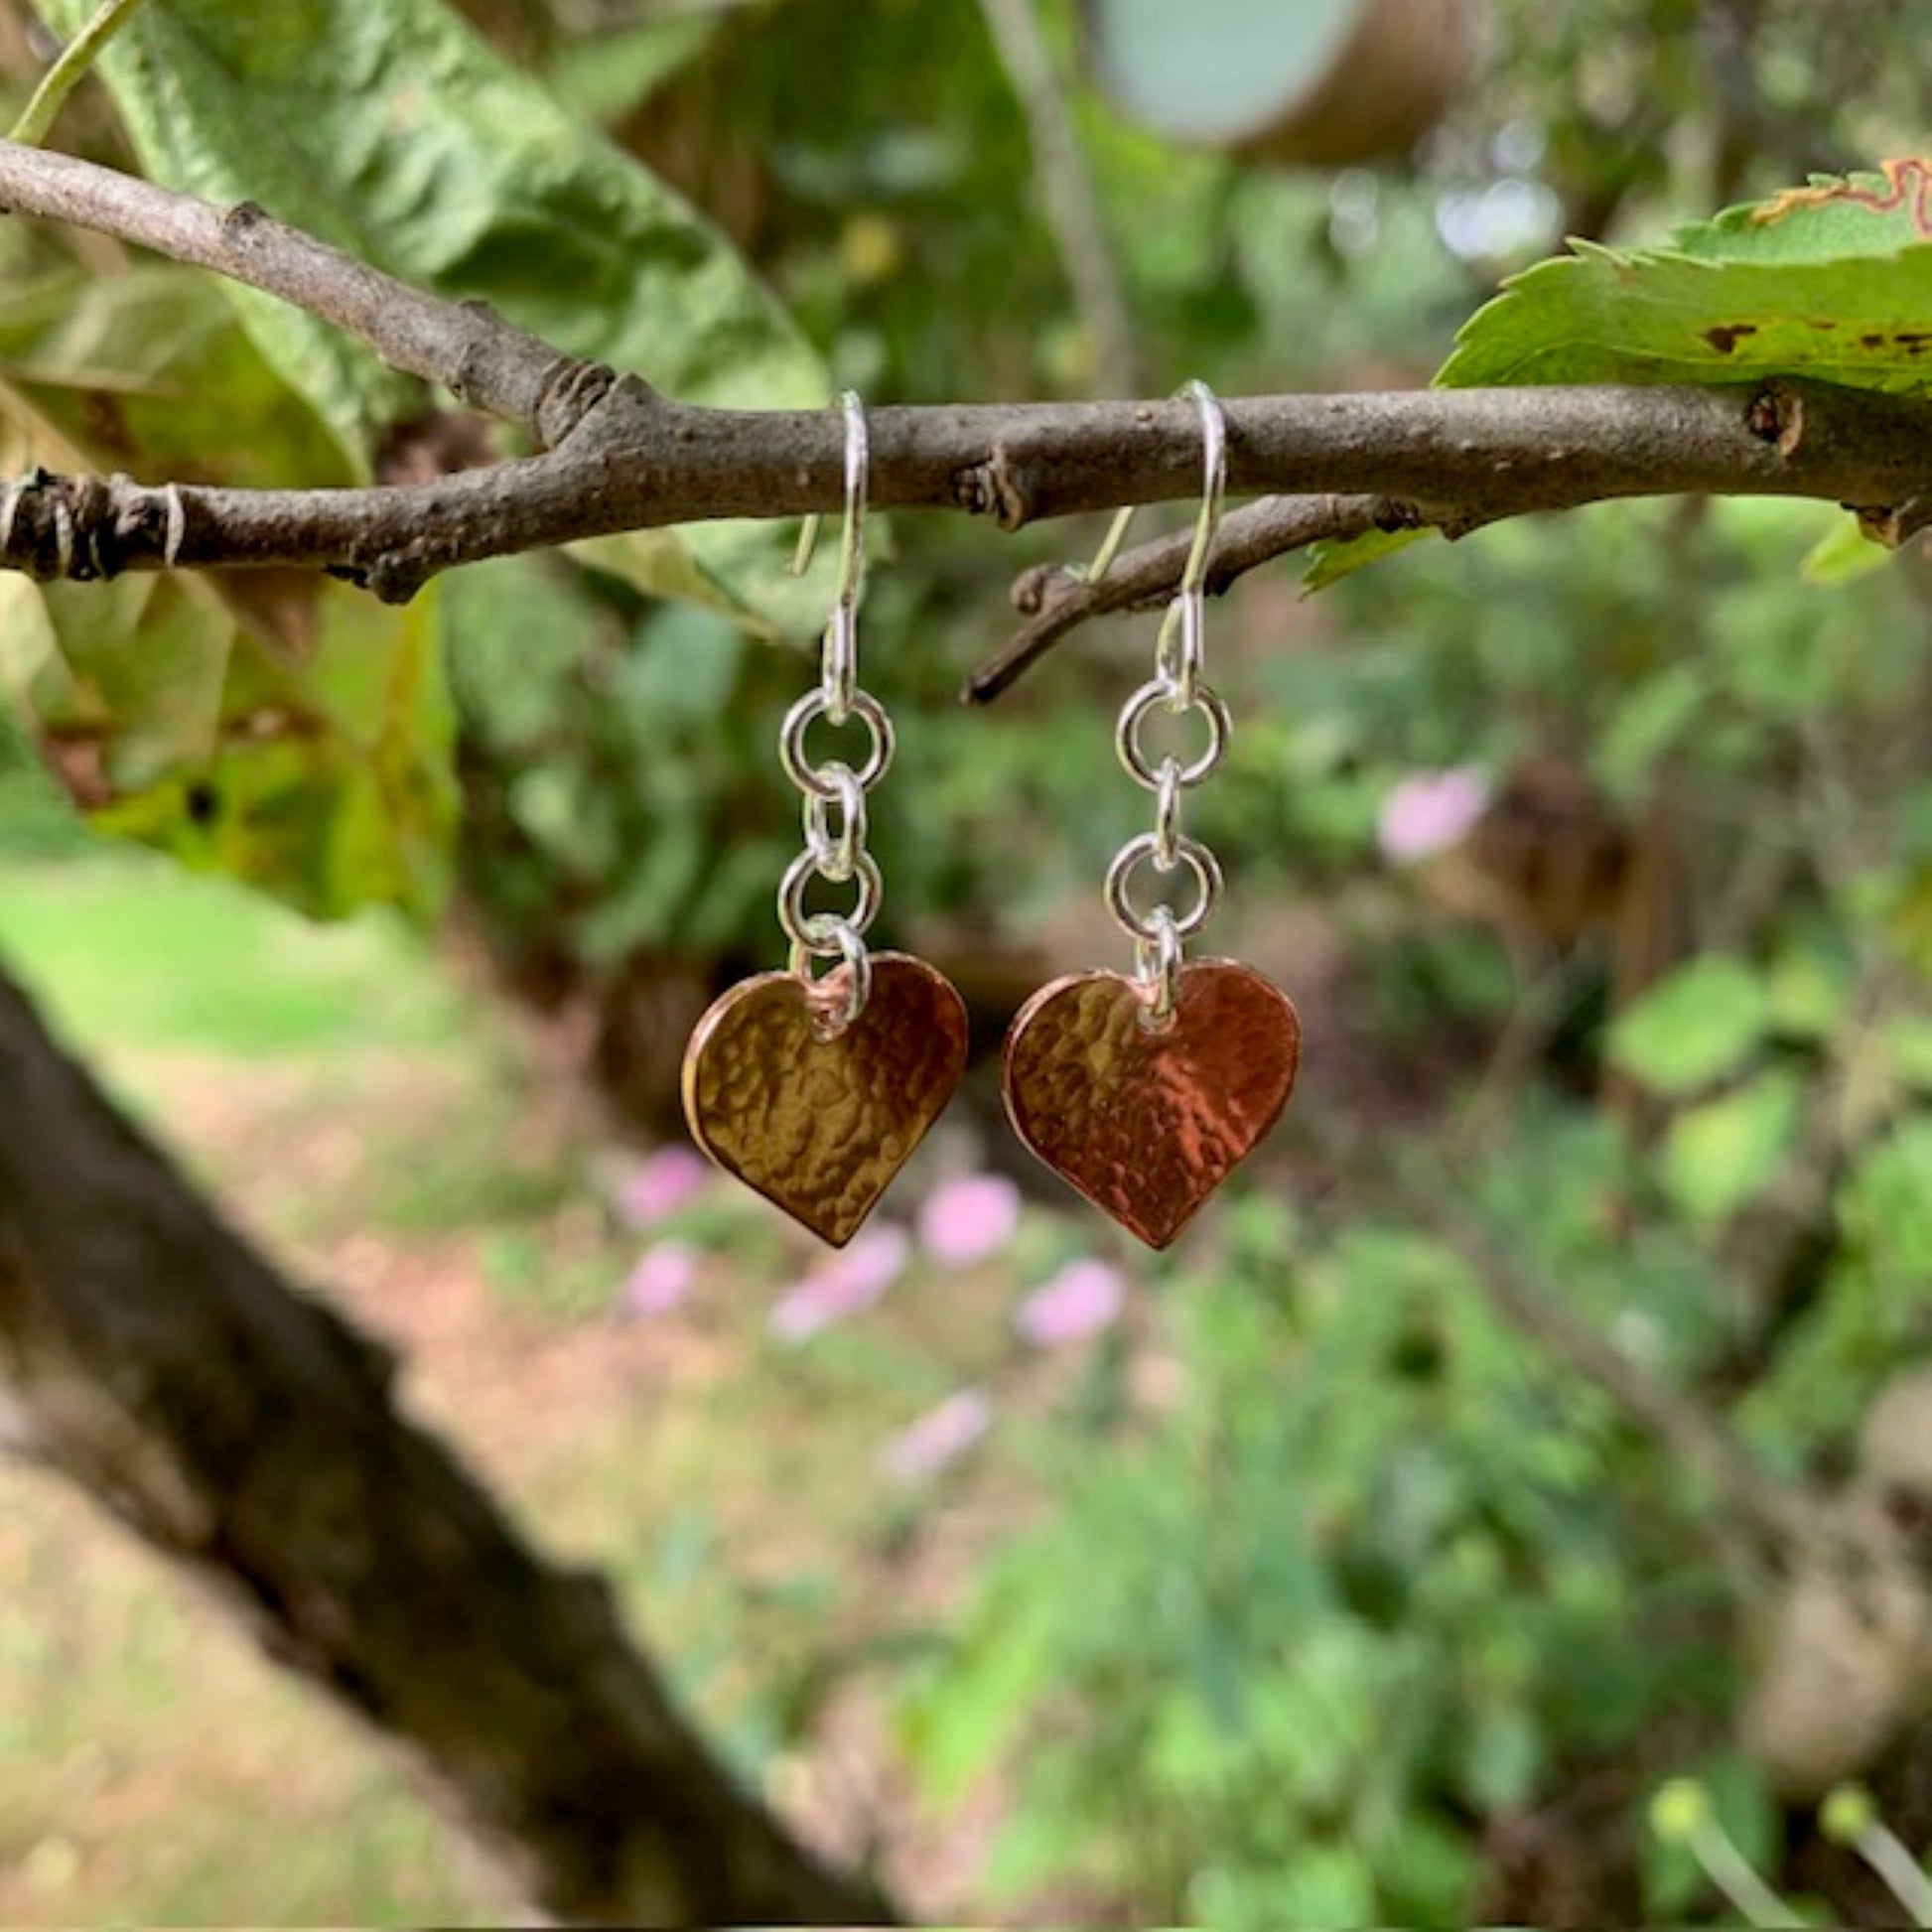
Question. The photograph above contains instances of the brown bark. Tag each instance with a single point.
(248, 1434)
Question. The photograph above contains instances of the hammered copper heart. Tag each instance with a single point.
(819, 1121)
(1148, 1121)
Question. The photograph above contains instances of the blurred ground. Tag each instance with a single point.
(393, 1137)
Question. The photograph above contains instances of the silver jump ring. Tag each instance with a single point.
(834, 855)
(1144, 925)
(809, 930)
(816, 780)
(833, 938)
(1157, 691)
(1166, 816)
(1157, 960)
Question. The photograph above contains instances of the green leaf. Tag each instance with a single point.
(1717, 1156)
(391, 129)
(1647, 724)
(1699, 1025)
(604, 77)
(954, 1729)
(325, 783)
(148, 370)
(268, 723)
(1502, 1755)
(1844, 554)
(1832, 281)
(1810, 988)
(1330, 562)
(1908, 1048)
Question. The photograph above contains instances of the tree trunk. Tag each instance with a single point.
(246, 1432)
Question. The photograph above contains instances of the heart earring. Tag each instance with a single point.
(815, 1090)
(1144, 1093)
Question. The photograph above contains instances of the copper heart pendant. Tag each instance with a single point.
(1148, 1121)
(819, 1121)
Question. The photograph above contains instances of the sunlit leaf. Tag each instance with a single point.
(147, 372)
(327, 785)
(270, 724)
(1333, 559)
(1843, 555)
(1832, 281)
(1719, 1155)
(1701, 1024)
(391, 129)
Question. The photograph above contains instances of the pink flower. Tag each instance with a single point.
(1430, 811)
(660, 1279)
(846, 1285)
(1084, 1297)
(661, 1184)
(941, 1436)
(969, 1218)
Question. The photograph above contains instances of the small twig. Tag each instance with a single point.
(61, 80)
(1066, 191)
(462, 346)
(1057, 601)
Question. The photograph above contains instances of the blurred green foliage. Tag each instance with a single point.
(1377, 1576)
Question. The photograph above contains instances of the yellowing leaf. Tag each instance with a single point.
(327, 785)
(1719, 1155)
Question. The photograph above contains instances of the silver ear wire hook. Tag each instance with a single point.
(1214, 486)
(1179, 650)
(841, 660)
(855, 492)
(858, 477)
(840, 663)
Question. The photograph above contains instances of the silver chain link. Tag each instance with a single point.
(834, 793)
(1180, 689)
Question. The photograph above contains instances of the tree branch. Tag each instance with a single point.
(464, 346)
(1058, 599)
(619, 456)
(248, 1434)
